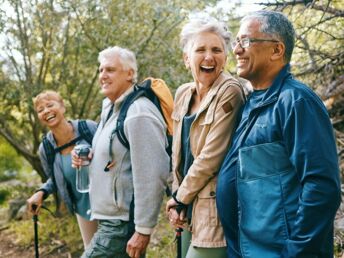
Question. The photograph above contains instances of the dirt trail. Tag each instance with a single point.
(9, 249)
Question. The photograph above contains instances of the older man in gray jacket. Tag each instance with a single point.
(125, 193)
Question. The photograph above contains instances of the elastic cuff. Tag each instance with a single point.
(45, 193)
(180, 206)
(144, 230)
(174, 196)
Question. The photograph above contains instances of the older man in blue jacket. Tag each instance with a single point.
(278, 188)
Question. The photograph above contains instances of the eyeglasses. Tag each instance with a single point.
(246, 42)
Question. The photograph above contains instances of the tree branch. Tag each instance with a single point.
(307, 3)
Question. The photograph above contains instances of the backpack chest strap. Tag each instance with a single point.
(68, 144)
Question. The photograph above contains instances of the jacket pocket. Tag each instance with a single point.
(268, 190)
(115, 191)
(205, 212)
(206, 226)
(123, 191)
(263, 160)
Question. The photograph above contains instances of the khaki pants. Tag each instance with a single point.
(110, 240)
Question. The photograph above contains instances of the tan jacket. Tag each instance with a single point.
(210, 135)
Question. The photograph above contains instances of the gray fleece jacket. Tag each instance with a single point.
(140, 172)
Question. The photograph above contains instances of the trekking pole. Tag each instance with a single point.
(179, 234)
(179, 242)
(35, 225)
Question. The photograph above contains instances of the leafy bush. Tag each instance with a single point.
(4, 193)
(10, 161)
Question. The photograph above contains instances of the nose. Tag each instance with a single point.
(237, 49)
(102, 74)
(209, 56)
(45, 110)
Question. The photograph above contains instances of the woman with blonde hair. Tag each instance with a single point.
(204, 116)
(51, 110)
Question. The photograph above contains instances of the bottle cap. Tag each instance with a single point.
(82, 150)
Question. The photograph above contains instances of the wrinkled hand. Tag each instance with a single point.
(76, 160)
(177, 220)
(34, 203)
(137, 245)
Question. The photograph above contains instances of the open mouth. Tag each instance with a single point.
(207, 69)
(50, 117)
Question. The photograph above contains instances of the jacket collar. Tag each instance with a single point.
(273, 91)
(210, 95)
(118, 102)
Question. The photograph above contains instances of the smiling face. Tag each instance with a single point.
(50, 111)
(113, 78)
(254, 62)
(206, 58)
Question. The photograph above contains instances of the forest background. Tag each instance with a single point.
(53, 44)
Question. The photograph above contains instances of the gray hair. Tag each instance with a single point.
(196, 26)
(126, 58)
(276, 25)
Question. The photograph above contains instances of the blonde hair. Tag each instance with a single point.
(47, 95)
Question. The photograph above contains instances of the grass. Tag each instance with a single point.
(64, 231)
(162, 242)
(53, 232)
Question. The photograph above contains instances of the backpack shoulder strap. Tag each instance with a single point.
(119, 130)
(49, 151)
(84, 131)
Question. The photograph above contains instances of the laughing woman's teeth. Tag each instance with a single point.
(50, 117)
(205, 68)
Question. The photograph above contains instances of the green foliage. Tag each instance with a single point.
(52, 231)
(4, 194)
(338, 243)
(10, 161)
(318, 54)
(55, 44)
(162, 242)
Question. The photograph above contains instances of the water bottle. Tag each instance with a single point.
(82, 177)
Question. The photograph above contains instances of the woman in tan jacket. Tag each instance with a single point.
(204, 117)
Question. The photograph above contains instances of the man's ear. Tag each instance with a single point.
(278, 51)
(130, 75)
(186, 60)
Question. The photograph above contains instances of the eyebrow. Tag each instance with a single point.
(242, 36)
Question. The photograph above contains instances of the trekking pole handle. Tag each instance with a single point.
(34, 207)
(179, 232)
(179, 209)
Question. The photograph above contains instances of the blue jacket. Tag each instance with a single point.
(278, 189)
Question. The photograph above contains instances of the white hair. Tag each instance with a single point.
(198, 25)
(277, 25)
(126, 58)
